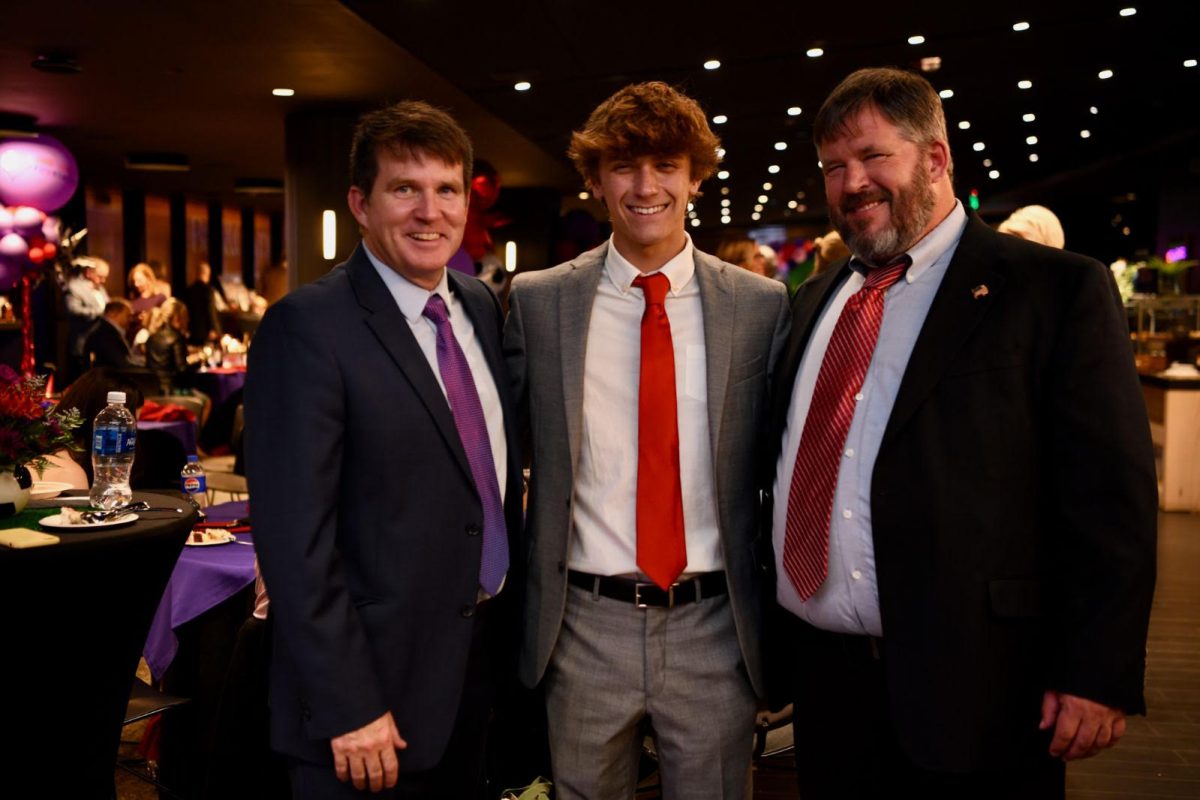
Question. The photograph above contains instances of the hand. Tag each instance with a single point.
(1082, 728)
(367, 756)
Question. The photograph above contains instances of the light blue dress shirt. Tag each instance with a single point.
(848, 601)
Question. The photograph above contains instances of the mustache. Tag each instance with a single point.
(853, 201)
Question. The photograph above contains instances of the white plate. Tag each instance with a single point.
(44, 490)
(56, 522)
(209, 543)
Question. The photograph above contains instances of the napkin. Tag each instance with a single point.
(21, 538)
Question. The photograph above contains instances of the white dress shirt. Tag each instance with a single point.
(605, 508)
(412, 299)
(848, 600)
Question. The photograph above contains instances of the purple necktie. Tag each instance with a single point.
(472, 430)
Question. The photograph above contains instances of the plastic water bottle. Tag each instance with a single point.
(114, 435)
(194, 484)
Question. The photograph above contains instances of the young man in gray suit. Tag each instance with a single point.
(643, 368)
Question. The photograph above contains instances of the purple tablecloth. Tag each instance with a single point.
(203, 577)
(182, 429)
(220, 385)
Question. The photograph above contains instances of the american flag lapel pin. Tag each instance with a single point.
(979, 291)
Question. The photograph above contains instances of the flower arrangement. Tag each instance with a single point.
(30, 429)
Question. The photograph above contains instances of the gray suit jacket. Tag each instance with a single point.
(746, 322)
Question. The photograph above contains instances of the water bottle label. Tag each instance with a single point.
(193, 484)
(113, 441)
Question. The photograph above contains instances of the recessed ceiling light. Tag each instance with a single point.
(931, 63)
(799, 195)
(724, 190)
(712, 63)
(522, 86)
(1031, 140)
(794, 111)
(720, 152)
(979, 147)
(584, 196)
(767, 186)
(720, 119)
(1020, 26)
(725, 220)
(725, 203)
(1191, 62)
(1104, 74)
(695, 223)
(792, 204)
(723, 175)
(1094, 110)
(964, 125)
(691, 206)
(946, 94)
(1128, 12)
(762, 198)
(1085, 134)
(1024, 84)
(781, 145)
(815, 52)
(1033, 156)
(756, 216)
(692, 214)
(1028, 117)
(994, 174)
(987, 162)
(283, 92)
(918, 39)
(773, 169)
(758, 207)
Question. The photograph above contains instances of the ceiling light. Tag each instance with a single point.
(720, 119)
(712, 63)
(987, 162)
(720, 152)
(794, 111)
(724, 190)
(725, 220)
(792, 204)
(802, 208)
(522, 86)
(1085, 134)
(723, 175)
(1020, 26)
(815, 52)
(283, 92)
(1191, 62)
(946, 94)
(978, 147)
(1033, 157)
(691, 206)
(762, 198)
(799, 195)
(918, 39)
(258, 186)
(695, 223)
(931, 63)
(964, 125)
(157, 162)
(692, 215)
(1031, 140)
(1028, 117)
(767, 186)
(725, 203)
(756, 216)
(758, 207)
(1024, 84)
(1128, 12)
(773, 169)
(994, 174)
(1104, 74)
(1094, 110)
(781, 145)
(584, 196)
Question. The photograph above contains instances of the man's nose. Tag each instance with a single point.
(646, 181)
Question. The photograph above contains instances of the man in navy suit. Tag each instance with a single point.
(963, 495)
(385, 479)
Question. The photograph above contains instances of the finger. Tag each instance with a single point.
(391, 767)
(341, 766)
(1118, 731)
(374, 772)
(358, 772)
(1064, 732)
(1049, 710)
(1082, 743)
(397, 741)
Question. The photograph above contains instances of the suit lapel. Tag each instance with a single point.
(718, 306)
(955, 313)
(396, 337)
(576, 296)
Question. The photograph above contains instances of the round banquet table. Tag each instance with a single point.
(76, 614)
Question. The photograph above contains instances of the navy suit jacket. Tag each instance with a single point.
(366, 517)
(1012, 501)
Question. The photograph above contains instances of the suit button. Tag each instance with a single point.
(468, 611)
(473, 530)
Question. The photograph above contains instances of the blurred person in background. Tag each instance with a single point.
(746, 254)
(1035, 224)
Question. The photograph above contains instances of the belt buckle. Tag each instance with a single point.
(637, 594)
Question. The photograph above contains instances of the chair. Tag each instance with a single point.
(159, 460)
(145, 701)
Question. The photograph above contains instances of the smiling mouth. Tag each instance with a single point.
(645, 211)
(425, 237)
(863, 206)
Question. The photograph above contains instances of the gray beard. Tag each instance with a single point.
(912, 209)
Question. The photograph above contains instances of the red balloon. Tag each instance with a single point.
(36, 255)
(49, 250)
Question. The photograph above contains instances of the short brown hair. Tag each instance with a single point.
(904, 98)
(645, 119)
(117, 304)
(410, 128)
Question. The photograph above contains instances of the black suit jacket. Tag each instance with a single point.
(366, 517)
(1012, 500)
(106, 347)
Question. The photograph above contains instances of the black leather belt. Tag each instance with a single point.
(647, 595)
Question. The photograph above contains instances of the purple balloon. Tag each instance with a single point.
(10, 271)
(37, 172)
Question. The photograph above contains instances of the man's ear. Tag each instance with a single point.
(939, 160)
(357, 201)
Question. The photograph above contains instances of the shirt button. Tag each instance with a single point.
(858, 396)
(846, 513)
(849, 452)
(856, 575)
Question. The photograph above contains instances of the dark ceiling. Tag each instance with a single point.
(195, 78)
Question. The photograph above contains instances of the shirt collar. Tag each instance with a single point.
(930, 249)
(410, 297)
(679, 270)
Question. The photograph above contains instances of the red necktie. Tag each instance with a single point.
(661, 552)
(818, 461)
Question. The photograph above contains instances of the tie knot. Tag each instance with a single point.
(654, 287)
(883, 277)
(435, 309)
